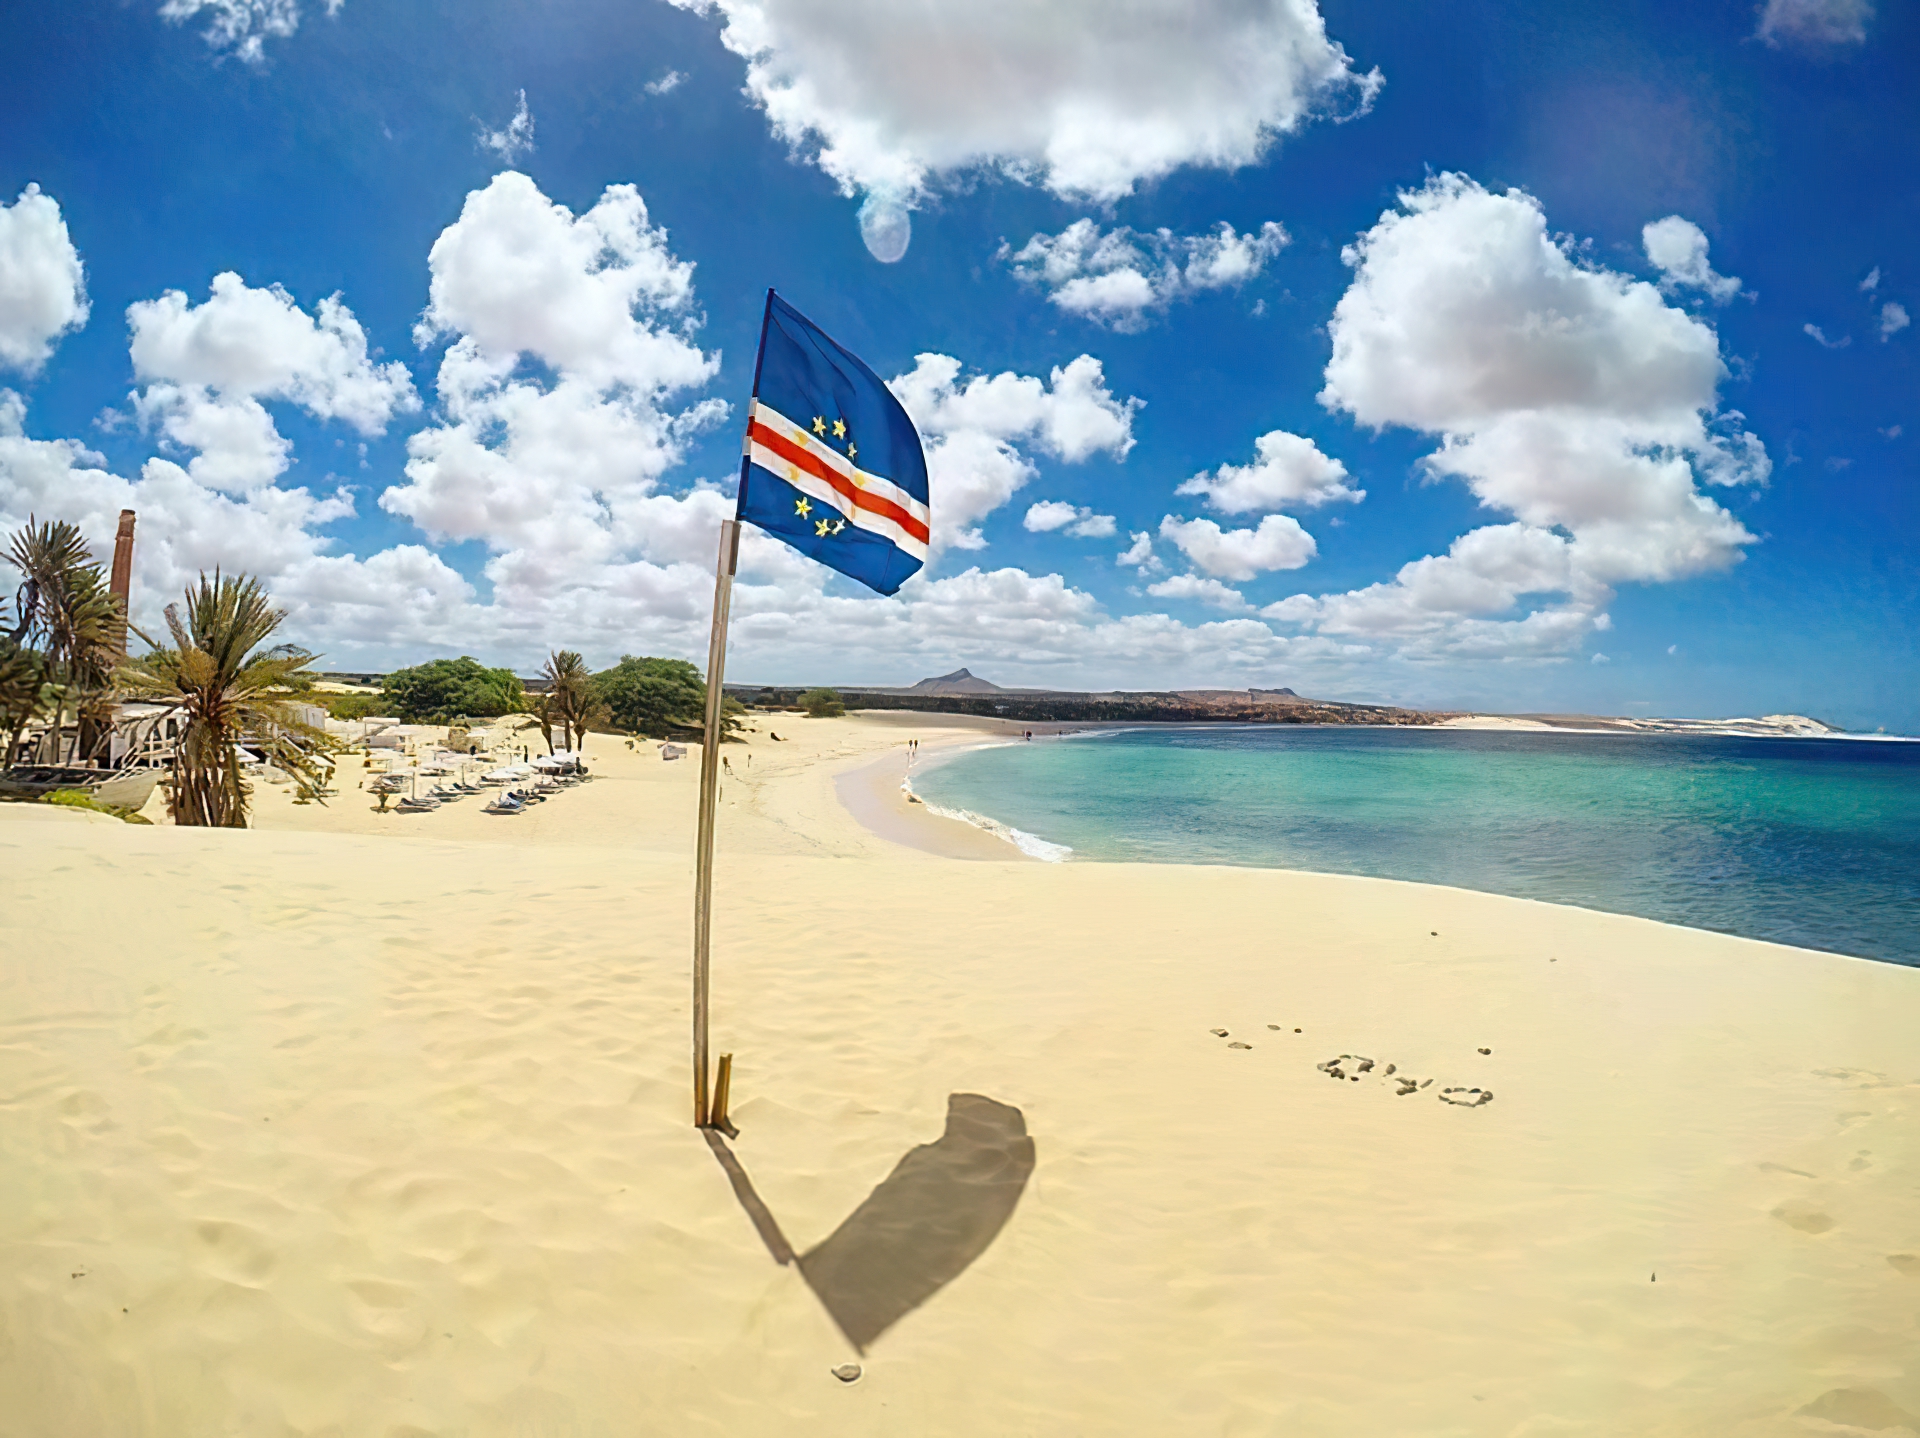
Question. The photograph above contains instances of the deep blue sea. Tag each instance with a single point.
(1814, 842)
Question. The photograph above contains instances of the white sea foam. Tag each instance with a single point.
(1032, 845)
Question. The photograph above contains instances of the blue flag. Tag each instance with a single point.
(833, 465)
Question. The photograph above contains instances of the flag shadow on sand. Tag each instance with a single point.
(941, 1207)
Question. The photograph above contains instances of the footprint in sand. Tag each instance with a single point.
(1803, 1216)
(1351, 1066)
(1347, 1066)
(85, 1110)
(1906, 1264)
(164, 1043)
(1867, 1408)
(235, 1252)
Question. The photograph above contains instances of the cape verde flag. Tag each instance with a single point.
(833, 465)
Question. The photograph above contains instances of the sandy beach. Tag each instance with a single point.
(361, 1124)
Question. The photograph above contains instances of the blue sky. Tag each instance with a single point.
(1627, 474)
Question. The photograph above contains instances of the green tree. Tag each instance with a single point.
(653, 696)
(351, 706)
(822, 704)
(70, 620)
(232, 690)
(447, 688)
(571, 701)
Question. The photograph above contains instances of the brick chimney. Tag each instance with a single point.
(121, 581)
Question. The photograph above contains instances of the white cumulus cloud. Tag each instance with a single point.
(1819, 337)
(513, 139)
(1077, 520)
(1569, 396)
(1116, 277)
(208, 366)
(1815, 23)
(1678, 249)
(1893, 319)
(1204, 591)
(1288, 470)
(973, 432)
(1277, 542)
(666, 84)
(43, 291)
(259, 342)
(541, 470)
(243, 26)
(1089, 101)
(1139, 553)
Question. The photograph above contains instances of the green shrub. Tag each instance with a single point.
(351, 706)
(652, 696)
(446, 688)
(81, 799)
(822, 704)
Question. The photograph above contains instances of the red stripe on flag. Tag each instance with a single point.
(814, 465)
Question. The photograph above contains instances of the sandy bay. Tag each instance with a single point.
(358, 1124)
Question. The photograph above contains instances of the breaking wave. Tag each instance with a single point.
(1032, 845)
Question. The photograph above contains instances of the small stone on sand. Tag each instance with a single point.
(847, 1372)
(1236, 1044)
(1218, 1033)
(1486, 1051)
(1276, 1028)
(1389, 1068)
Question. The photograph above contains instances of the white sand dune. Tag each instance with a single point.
(378, 1125)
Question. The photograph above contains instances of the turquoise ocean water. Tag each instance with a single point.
(1813, 842)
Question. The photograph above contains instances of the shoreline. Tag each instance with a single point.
(1842, 940)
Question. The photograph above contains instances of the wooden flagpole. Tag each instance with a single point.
(709, 786)
(724, 570)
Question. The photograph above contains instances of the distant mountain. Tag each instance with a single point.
(961, 681)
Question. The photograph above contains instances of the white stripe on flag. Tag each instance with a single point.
(801, 435)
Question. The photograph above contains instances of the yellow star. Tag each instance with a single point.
(822, 528)
(819, 425)
(851, 451)
(802, 507)
(839, 429)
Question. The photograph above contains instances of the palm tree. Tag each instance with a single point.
(27, 691)
(231, 690)
(67, 614)
(570, 701)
